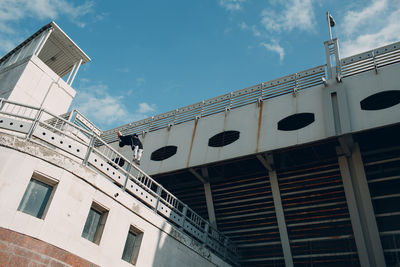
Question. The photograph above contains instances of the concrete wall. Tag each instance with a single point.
(77, 187)
(9, 77)
(257, 124)
(32, 82)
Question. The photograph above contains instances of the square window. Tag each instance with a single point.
(95, 223)
(132, 245)
(37, 196)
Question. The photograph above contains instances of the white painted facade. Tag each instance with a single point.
(258, 126)
(76, 188)
(32, 82)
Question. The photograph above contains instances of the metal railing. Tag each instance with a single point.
(285, 85)
(80, 120)
(370, 60)
(79, 143)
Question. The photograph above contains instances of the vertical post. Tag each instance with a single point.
(276, 195)
(365, 203)
(328, 16)
(210, 205)
(353, 210)
(128, 169)
(72, 70)
(158, 192)
(42, 42)
(76, 71)
(366, 233)
(89, 150)
(206, 228)
(34, 124)
(184, 212)
(280, 216)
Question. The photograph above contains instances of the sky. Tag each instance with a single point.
(153, 56)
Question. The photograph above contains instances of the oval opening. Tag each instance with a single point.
(381, 100)
(163, 153)
(223, 139)
(296, 121)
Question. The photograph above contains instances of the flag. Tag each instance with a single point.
(331, 21)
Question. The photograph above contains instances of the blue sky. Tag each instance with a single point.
(150, 57)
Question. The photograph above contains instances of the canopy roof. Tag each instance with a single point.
(59, 52)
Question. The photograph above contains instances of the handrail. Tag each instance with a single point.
(369, 60)
(284, 85)
(373, 59)
(88, 148)
(80, 120)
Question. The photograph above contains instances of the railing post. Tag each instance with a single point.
(34, 124)
(184, 212)
(374, 60)
(158, 192)
(295, 85)
(206, 228)
(226, 248)
(89, 150)
(128, 170)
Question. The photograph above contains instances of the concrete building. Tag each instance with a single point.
(299, 171)
(63, 201)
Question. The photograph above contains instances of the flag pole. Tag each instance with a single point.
(328, 17)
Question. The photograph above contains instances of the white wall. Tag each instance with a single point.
(247, 121)
(77, 187)
(34, 83)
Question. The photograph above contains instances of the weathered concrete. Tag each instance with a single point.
(77, 187)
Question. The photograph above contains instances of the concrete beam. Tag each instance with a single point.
(204, 178)
(359, 202)
(198, 176)
(210, 205)
(276, 195)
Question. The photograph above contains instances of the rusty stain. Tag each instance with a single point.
(259, 124)
(191, 142)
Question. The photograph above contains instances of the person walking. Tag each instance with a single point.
(135, 143)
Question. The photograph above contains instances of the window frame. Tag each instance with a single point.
(101, 224)
(134, 253)
(40, 177)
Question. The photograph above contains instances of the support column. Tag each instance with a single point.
(276, 195)
(204, 178)
(210, 205)
(362, 216)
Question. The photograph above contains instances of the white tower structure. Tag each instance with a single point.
(40, 71)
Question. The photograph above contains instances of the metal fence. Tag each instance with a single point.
(370, 60)
(263, 91)
(79, 143)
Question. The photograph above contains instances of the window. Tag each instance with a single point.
(296, 121)
(95, 223)
(132, 245)
(224, 138)
(163, 153)
(37, 196)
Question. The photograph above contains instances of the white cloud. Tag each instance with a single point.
(253, 29)
(295, 14)
(355, 19)
(232, 5)
(373, 26)
(12, 11)
(106, 110)
(275, 47)
(145, 108)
